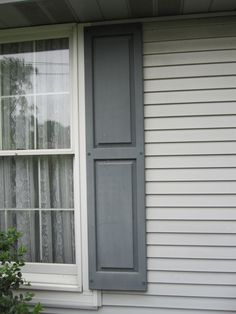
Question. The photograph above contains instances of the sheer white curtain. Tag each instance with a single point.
(35, 114)
(48, 234)
(57, 192)
(18, 191)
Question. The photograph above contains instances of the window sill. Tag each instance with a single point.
(53, 277)
(67, 302)
(58, 288)
(55, 302)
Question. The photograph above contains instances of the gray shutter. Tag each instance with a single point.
(115, 157)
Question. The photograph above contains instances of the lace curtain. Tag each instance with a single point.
(36, 192)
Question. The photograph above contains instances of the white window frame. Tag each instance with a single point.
(68, 283)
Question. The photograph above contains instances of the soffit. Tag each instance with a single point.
(19, 13)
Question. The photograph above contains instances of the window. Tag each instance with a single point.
(38, 155)
(76, 233)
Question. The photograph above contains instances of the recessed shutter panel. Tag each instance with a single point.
(115, 157)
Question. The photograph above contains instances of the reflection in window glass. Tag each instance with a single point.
(35, 107)
(17, 115)
(52, 64)
(16, 68)
(53, 121)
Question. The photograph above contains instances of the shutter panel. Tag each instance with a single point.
(115, 157)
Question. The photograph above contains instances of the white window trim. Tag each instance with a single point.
(68, 284)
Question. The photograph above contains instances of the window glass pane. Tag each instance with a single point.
(52, 65)
(19, 177)
(17, 116)
(58, 243)
(26, 222)
(56, 182)
(53, 121)
(2, 220)
(47, 235)
(36, 182)
(35, 110)
(16, 68)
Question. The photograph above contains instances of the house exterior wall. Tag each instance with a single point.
(190, 132)
(189, 105)
(190, 119)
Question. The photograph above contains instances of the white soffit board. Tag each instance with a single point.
(226, 5)
(20, 13)
(86, 10)
(12, 17)
(114, 9)
(169, 7)
(140, 8)
(193, 6)
(12, 1)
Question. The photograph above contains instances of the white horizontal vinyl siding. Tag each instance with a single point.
(190, 142)
(116, 309)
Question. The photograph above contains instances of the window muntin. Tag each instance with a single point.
(36, 192)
